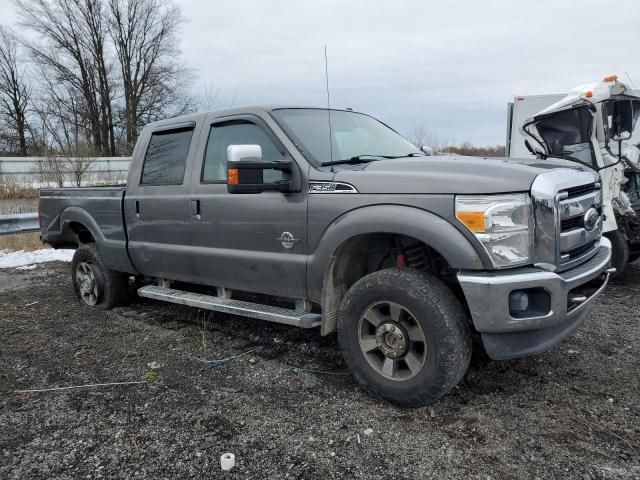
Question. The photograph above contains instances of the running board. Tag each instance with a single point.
(235, 307)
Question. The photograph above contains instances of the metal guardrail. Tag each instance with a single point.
(19, 223)
(50, 171)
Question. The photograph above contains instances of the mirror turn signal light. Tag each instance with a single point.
(232, 176)
(474, 221)
(610, 78)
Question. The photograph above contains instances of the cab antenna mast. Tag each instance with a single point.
(326, 76)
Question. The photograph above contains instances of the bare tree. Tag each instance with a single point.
(420, 135)
(71, 50)
(50, 171)
(80, 168)
(144, 34)
(107, 68)
(209, 99)
(15, 91)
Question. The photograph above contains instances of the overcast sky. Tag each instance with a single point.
(451, 66)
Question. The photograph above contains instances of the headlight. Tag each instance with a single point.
(502, 223)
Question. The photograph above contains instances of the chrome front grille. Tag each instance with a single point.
(579, 240)
(568, 217)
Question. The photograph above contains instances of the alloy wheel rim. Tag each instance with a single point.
(88, 284)
(392, 341)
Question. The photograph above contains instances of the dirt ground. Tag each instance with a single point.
(571, 413)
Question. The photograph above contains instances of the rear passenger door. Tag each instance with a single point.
(156, 203)
(252, 242)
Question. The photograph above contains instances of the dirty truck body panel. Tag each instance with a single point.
(98, 209)
(177, 220)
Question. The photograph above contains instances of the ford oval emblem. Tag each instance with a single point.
(591, 219)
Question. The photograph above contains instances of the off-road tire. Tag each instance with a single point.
(113, 286)
(619, 251)
(439, 314)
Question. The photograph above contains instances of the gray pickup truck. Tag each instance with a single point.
(329, 218)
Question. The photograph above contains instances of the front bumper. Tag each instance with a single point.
(567, 302)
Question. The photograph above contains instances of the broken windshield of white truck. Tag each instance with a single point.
(567, 134)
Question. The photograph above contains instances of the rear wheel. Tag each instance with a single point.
(94, 283)
(404, 336)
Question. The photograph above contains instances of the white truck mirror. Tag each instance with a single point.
(243, 153)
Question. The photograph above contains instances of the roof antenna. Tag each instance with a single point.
(326, 76)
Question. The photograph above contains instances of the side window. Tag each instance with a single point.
(236, 133)
(166, 157)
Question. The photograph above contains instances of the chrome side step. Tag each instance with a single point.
(235, 307)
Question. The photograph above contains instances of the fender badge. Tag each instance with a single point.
(287, 240)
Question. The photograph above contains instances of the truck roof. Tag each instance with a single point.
(255, 110)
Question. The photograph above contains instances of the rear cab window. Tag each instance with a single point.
(166, 157)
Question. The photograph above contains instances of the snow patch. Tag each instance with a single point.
(27, 267)
(22, 259)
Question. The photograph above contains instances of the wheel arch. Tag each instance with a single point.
(336, 264)
(77, 226)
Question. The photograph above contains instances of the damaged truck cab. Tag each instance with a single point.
(329, 218)
(597, 125)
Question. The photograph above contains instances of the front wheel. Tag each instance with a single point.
(405, 336)
(619, 251)
(95, 284)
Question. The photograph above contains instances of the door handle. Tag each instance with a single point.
(137, 209)
(195, 209)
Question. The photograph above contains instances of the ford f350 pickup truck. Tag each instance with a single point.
(331, 219)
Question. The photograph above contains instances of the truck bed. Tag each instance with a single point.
(89, 214)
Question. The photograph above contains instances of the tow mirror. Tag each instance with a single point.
(622, 120)
(245, 171)
(427, 150)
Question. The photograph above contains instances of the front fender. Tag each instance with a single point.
(422, 225)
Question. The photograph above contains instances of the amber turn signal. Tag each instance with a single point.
(610, 78)
(232, 176)
(474, 221)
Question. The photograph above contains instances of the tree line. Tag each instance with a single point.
(84, 76)
(419, 135)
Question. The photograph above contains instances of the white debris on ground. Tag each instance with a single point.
(22, 259)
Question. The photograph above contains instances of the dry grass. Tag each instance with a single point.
(12, 191)
(22, 241)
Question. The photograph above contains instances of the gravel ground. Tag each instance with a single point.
(571, 413)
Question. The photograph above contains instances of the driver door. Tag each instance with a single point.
(250, 242)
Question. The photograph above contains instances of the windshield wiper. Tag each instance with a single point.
(356, 159)
(362, 159)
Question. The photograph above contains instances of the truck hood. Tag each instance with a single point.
(449, 174)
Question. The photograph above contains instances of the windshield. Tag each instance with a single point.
(352, 135)
(567, 134)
